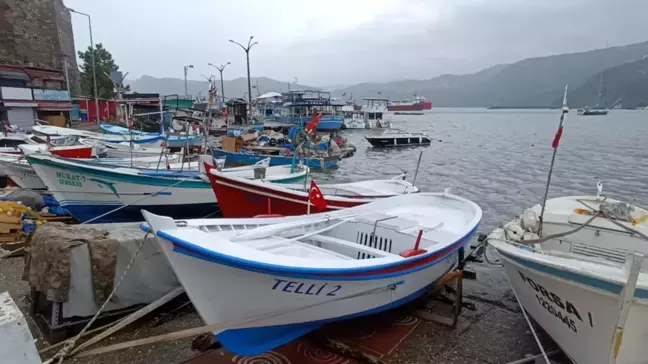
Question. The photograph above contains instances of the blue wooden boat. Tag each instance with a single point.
(173, 141)
(246, 158)
(299, 109)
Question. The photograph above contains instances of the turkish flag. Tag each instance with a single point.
(316, 198)
(131, 127)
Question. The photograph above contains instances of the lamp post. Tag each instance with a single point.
(220, 69)
(185, 78)
(94, 67)
(247, 57)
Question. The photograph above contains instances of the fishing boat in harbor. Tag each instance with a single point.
(300, 106)
(297, 273)
(172, 141)
(398, 138)
(247, 198)
(106, 194)
(371, 115)
(419, 103)
(252, 155)
(123, 150)
(583, 278)
(52, 131)
(89, 189)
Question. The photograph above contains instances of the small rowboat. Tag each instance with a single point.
(247, 198)
(267, 281)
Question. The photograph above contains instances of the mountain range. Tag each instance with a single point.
(531, 82)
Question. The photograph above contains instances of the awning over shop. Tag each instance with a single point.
(54, 106)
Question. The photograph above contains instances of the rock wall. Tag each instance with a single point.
(37, 33)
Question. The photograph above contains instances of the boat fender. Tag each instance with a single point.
(416, 251)
(265, 216)
(530, 221)
(514, 231)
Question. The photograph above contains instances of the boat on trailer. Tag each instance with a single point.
(584, 279)
(398, 138)
(295, 274)
(241, 197)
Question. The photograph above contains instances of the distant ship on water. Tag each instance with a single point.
(418, 104)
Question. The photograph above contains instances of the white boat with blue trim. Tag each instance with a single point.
(584, 278)
(268, 281)
(118, 194)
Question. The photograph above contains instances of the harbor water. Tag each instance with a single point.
(500, 158)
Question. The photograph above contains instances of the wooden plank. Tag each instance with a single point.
(8, 226)
(10, 219)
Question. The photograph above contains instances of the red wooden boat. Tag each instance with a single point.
(240, 197)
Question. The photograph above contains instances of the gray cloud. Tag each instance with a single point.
(352, 41)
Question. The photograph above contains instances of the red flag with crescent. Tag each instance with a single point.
(316, 198)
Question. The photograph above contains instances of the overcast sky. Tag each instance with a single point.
(348, 41)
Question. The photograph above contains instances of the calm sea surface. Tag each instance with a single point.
(500, 158)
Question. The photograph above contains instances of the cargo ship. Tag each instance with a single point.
(418, 104)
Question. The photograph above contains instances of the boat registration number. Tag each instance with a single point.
(562, 309)
(308, 289)
(67, 179)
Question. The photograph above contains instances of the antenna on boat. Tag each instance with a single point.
(554, 145)
(417, 168)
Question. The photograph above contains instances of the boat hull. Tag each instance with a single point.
(396, 141)
(239, 199)
(578, 311)
(23, 175)
(87, 192)
(72, 152)
(248, 159)
(419, 106)
(306, 302)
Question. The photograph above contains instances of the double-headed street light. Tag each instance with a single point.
(247, 57)
(220, 69)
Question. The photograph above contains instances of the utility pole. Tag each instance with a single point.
(185, 79)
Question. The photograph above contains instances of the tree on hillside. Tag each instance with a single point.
(104, 65)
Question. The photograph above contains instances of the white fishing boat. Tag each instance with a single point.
(89, 189)
(123, 150)
(585, 282)
(173, 141)
(371, 115)
(296, 273)
(149, 140)
(24, 176)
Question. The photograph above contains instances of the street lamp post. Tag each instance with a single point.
(94, 67)
(185, 78)
(247, 57)
(220, 69)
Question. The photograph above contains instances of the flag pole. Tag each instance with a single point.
(554, 145)
(308, 202)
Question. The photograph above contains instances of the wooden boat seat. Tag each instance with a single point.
(366, 249)
(280, 245)
(398, 223)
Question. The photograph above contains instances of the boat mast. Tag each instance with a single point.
(555, 144)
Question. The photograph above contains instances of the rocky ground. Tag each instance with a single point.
(495, 332)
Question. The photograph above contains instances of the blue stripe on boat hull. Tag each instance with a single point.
(255, 341)
(86, 211)
(573, 276)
